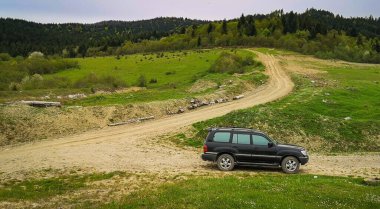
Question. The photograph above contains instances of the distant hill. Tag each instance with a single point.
(316, 32)
(311, 32)
(20, 37)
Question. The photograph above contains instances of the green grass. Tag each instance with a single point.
(259, 191)
(43, 188)
(316, 112)
(175, 72)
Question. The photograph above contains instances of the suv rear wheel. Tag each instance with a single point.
(290, 165)
(225, 162)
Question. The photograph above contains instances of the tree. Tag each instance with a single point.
(241, 24)
(199, 41)
(224, 27)
(251, 30)
(290, 22)
(242, 19)
(141, 81)
(82, 50)
(376, 46)
(210, 28)
(183, 30)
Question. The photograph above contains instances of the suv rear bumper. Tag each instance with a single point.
(209, 156)
(304, 160)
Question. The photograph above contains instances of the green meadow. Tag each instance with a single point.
(336, 110)
(259, 191)
(166, 75)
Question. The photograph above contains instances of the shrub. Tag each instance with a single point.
(47, 66)
(141, 81)
(5, 57)
(36, 55)
(14, 86)
(153, 80)
(170, 73)
(232, 63)
(100, 82)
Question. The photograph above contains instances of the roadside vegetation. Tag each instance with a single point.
(35, 189)
(335, 109)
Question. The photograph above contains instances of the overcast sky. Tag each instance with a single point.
(89, 11)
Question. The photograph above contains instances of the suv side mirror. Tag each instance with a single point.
(270, 144)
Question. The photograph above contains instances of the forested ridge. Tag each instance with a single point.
(315, 32)
(20, 37)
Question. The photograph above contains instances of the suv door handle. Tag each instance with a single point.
(235, 147)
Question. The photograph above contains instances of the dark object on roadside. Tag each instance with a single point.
(247, 147)
(136, 120)
(42, 104)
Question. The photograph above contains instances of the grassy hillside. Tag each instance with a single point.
(163, 75)
(336, 108)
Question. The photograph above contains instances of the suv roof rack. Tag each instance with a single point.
(233, 128)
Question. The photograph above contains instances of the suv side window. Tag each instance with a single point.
(241, 139)
(222, 137)
(259, 140)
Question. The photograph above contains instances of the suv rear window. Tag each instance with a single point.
(241, 139)
(222, 137)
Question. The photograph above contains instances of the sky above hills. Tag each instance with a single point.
(89, 11)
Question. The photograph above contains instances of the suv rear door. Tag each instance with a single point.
(242, 143)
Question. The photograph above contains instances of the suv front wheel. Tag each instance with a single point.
(225, 162)
(290, 165)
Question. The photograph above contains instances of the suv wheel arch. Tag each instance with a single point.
(227, 153)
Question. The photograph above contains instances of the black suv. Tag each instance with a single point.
(238, 146)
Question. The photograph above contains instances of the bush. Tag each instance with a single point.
(230, 63)
(153, 80)
(100, 82)
(141, 81)
(47, 66)
(36, 55)
(170, 73)
(5, 57)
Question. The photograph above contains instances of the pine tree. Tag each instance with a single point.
(210, 28)
(251, 29)
(224, 27)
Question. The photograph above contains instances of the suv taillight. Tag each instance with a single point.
(205, 148)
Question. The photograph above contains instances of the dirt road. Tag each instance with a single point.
(128, 148)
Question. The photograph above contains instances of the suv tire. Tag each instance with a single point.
(225, 162)
(290, 165)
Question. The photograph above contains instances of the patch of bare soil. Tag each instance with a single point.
(125, 90)
(366, 165)
(202, 85)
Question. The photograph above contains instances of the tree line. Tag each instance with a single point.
(20, 37)
(315, 32)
